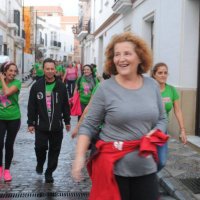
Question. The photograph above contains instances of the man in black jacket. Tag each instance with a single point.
(47, 108)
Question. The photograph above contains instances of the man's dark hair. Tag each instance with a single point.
(49, 60)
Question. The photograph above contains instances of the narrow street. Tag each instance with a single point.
(26, 184)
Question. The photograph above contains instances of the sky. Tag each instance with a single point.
(70, 7)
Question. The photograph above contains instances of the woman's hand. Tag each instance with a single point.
(77, 167)
(183, 136)
(2, 76)
(74, 132)
(150, 133)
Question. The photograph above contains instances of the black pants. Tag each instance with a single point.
(8, 128)
(51, 141)
(138, 188)
(70, 87)
(83, 106)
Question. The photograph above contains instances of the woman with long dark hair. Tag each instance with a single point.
(9, 115)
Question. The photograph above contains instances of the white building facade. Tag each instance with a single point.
(172, 30)
(52, 40)
(12, 31)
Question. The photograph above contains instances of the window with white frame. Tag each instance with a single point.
(148, 29)
(101, 6)
(106, 2)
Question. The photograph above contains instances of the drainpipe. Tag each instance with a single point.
(23, 44)
(197, 125)
(36, 35)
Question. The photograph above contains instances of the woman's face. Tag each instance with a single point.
(87, 71)
(11, 72)
(125, 58)
(161, 74)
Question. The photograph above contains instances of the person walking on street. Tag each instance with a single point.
(38, 70)
(70, 77)
(79, 68)
(85, 86)
(47, 107)
(130, 109)
(170, 99)
(10, 115)
(60, 70)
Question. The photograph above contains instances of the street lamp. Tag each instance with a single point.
(74, 29)
(36, 34)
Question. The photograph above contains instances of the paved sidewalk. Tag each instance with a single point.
(183, 165)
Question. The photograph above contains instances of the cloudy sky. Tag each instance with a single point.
(70, 7)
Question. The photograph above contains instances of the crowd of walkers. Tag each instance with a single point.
(123, 122)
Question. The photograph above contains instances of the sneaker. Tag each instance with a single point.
(7, 175)
(39, 169)
(49, 178)
(1, 172)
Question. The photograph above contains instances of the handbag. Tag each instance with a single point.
(75, 104)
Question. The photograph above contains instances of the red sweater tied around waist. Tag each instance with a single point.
(100, 166)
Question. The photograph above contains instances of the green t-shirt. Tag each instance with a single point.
(9, 106)
(39, 70)
(169, 95)
(95, 89)
(60, 70)
(94, 71)
(49, 89)
(85, 89)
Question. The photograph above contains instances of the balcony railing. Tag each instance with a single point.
(11, 21)
(59, 44)
(83, 29)
(122, 6)
(55, 44)
(82, 32)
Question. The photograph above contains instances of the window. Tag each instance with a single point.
(149, 29)
(101, 6)
(106, 2)
(5, 50)
(17, 20)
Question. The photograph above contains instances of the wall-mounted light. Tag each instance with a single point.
(74, 29)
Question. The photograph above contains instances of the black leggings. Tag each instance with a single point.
(8, 128)
(138, 188)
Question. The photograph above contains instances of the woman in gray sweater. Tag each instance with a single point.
(130, 107)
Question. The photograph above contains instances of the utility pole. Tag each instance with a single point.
(35, 35)
(22, 35)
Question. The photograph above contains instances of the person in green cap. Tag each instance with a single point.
(38, 70)
(60, 70)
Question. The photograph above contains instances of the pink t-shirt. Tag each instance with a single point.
(71, 73)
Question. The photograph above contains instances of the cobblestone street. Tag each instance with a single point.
(26, 184)
(25, 179)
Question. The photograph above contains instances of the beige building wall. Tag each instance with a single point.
(188, 106)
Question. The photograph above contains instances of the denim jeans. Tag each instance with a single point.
(162, 155)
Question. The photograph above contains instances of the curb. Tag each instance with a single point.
(174, 187)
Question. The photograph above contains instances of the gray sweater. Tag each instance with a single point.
(126, 114)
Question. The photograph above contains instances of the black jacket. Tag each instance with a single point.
(37, 108)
